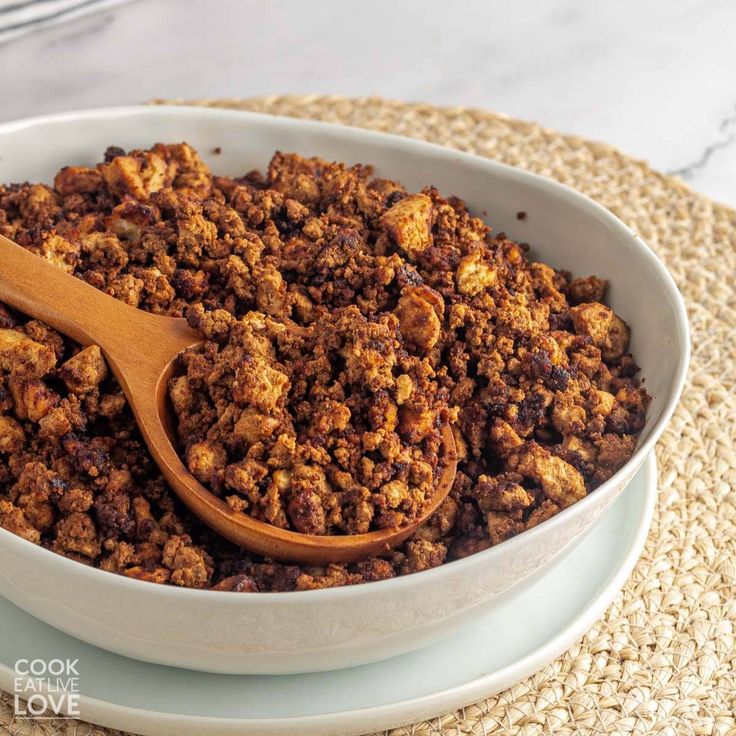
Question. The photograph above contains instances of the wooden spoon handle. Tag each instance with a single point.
(134, 341)
(41, 290)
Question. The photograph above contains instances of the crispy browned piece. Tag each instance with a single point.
(403, 308)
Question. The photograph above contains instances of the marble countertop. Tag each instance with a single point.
(654, 78)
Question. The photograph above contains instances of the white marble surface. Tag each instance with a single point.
(654, 77)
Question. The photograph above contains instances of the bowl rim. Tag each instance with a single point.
(390, 140)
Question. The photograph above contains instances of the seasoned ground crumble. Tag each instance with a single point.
(306, 269)
(330, 428)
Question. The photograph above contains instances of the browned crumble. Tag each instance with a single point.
(343, 317)
(330, 428)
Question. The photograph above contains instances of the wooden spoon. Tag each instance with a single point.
(141, 349)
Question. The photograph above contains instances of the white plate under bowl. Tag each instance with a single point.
(516, 638)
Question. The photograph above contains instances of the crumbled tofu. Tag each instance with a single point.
(84, 372)
(474, 274)
(409, 224)
(21, 356)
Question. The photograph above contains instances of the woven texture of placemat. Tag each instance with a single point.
(662, 660)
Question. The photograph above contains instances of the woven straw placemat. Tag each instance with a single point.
(663, 658)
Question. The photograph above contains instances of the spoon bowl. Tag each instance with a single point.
(141, 349)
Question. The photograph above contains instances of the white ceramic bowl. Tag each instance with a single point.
(327, 629)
